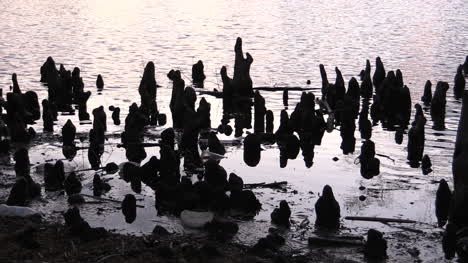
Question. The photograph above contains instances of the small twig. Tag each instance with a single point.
(357, 160)
(107, 257)
(386, 156)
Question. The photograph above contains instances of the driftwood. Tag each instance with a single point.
(219, 94)
(142, 144)
(279, 88)
(387, 189)
(267, 185)
(107, 199)
(335, 241)
(380, 219)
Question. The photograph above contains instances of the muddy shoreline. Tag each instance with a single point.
(56, 245)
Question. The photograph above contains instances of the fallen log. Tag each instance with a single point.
(380, 219)
(267, 185)
(219, 94)
(143, 144)
(334, 241)
(280, 88)
(387, 189)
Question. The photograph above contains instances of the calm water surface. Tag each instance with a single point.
(288, 40)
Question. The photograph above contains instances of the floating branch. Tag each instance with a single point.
(380, 219)
(279, 88)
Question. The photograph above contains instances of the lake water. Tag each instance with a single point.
(426, 39)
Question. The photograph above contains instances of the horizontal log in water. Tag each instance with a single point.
(219, 94)
(266, 185)
(380, 219)
(124, 145)
(278, 88)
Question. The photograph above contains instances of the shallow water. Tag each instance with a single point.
(288, 40)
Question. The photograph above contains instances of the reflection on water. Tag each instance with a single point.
(288, 40)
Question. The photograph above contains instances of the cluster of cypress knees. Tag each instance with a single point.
(215, 190)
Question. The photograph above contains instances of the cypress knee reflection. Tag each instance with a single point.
(252, 150)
